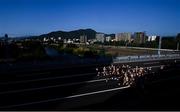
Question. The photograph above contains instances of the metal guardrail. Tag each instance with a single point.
(145, 58)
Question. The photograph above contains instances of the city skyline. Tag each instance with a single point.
(35, 17)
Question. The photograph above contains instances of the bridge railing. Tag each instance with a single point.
(145, 57)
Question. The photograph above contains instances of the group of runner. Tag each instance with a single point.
(124, 74)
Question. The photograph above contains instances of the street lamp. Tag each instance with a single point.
(159, 47)
(6, 45)
(178, 46)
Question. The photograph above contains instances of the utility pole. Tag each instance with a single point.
(159, 48)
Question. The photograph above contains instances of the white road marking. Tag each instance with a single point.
(151, 63)
(157, 66)
(47, 87)
(68, 97)
(102, 91)
(49, 78)
(30, 74)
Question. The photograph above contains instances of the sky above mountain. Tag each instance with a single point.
(34, 17)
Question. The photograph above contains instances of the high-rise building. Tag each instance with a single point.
(100, 37)
(126, 36)
(140, 37)
(83, 38)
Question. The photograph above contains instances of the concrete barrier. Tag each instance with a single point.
(145, 58)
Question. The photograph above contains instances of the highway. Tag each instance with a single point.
(66, 88)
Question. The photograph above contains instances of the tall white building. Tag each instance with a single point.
(83, 38)
(100, 37)
(126, 36)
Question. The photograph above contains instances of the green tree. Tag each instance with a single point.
(168, 43)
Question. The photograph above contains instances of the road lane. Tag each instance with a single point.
(51, 93)
(68, 97)
(48, 78)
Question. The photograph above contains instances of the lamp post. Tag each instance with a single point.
(178, 46)
(159, 47)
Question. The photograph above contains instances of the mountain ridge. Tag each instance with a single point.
(71, 34)
(90, 33)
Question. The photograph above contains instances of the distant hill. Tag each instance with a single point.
(91, 34)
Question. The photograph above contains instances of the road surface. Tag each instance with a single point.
(79, 88)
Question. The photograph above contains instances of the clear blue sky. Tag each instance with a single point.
(34, 17)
